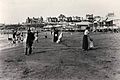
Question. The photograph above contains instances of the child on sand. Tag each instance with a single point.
(91, 44)
(60, 38)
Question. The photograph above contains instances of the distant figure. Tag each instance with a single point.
(29, 42)
(18, 37)
(51, 32)
(55, 36)
(85, 44)
(37, 36)
(14, 37)
(45, 35)
(21, 37)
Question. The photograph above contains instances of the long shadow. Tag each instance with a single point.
(95, 48)
(39, 52)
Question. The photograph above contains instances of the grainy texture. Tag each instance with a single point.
(64, 61)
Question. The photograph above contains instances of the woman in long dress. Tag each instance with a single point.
(85, 45)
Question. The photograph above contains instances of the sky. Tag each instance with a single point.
(15, 11)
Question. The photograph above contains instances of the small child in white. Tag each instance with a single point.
(91, 44)
(60, 38)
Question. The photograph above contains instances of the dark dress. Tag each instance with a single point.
(85, 44)
(55, 38)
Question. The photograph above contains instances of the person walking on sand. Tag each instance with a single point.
(14, 37)
(29, 41)
(85, 45)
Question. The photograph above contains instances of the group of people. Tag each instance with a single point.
(87, 40)
(27, 39)
(30, 37)
(17, 36)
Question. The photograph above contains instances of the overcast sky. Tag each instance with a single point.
(14, 11)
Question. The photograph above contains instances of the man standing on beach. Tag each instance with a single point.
(29, 41)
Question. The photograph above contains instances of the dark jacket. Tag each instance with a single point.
(30, 37)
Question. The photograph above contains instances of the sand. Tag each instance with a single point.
(63, 61)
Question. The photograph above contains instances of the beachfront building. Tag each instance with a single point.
(96, 23)
(110, 19)
(112, 23)
(116, 22)
(34, 20)
(90, 17)
(62, 18)
(76, 19)
(69, 19)
(99, 23)
(107, 23)
(52, 19)
(13, 26)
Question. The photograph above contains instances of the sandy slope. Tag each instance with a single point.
(64, 61)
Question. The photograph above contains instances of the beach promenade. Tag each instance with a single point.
(64, 61)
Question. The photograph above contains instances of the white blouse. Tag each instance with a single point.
(86, 32)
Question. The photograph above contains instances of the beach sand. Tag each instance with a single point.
(64, 61)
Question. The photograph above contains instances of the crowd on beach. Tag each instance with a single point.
(32, 36)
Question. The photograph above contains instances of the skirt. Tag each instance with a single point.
(85, 45)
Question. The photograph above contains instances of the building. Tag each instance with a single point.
(62, 18)
(34, 20)
(89, 17)
(76, 19)
(96, 22)
(69, 19)
(52, 19)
